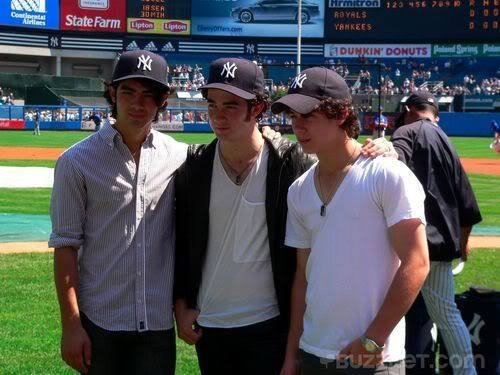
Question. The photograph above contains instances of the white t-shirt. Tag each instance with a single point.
(351, 264)
(237, 287)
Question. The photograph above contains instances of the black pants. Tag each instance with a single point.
(124, 352)
(255, 349)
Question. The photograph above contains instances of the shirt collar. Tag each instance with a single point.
(109, 134)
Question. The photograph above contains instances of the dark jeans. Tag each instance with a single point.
(124, 352)
(255, 349)
(312, 365)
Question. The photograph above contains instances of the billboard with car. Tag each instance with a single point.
(273, 18)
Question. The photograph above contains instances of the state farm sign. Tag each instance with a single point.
(93, 15)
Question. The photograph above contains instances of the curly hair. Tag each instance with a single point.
(334, 108)
(159, 92)
(250, 103)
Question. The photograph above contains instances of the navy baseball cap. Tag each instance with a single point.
(422, 97)
(141, 64)
(417, 98)
(309, 88)
(240, 77)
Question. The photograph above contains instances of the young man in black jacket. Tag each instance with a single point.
(233, 274)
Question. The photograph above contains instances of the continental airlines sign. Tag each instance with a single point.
(93, 15)
(41, 14)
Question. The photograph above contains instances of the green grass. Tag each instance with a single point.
(467, 147)
(36, 201)
(486, 191)
(28, 163)
(52, 139)
(29, 317)
(25, 201)
(480, 270)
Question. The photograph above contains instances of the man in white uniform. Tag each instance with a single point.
(358, 284)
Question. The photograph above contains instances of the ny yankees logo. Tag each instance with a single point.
(475, 327)
(298, 81)
(229, 69)
(145, 62)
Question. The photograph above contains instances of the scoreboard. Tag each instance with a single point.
(431, 21)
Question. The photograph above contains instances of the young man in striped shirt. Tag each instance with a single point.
(113, 275)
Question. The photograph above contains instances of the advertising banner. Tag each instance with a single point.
(270, 18)
(93, 15)
(378, 50)
(466, 50)
(159, 17)
(150, 44)
(170, 126)
(12, 124)
(39, 14)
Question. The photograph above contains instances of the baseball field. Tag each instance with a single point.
(29, 316)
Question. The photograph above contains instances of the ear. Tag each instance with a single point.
(112, 93)
(343, 115)
(164, 101)
(257, 109)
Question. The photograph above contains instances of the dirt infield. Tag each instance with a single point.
(481, 166)
(30, 153)
(476, 242)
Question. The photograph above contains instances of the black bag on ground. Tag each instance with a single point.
(480, 309)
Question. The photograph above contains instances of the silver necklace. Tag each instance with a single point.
(238, 180)
(342, 173)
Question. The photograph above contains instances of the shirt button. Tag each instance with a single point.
(139, 300)
(139, 273)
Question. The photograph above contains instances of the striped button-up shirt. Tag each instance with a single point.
(121, 218)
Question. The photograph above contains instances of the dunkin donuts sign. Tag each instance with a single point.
(93, 15)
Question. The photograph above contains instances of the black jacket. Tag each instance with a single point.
(286, 162)
(450, 202)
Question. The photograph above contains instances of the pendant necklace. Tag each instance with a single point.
(342, 173)
(238, 180)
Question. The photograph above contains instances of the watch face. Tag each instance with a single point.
(370, 347)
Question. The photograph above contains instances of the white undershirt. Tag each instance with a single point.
(237, 287)
(351, 264)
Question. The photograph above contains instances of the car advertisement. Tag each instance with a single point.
(272, 18)
(378, 50)
(93, 15)
(39, 14)
(159, 17)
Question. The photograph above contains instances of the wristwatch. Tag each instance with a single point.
(371, 346)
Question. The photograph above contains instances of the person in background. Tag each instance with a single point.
(451, 210)
(36, 119)
(379, 125)
(495, 129)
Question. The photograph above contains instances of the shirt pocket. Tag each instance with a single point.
(250, 235)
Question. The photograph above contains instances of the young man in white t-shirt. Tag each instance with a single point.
(358, 225)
